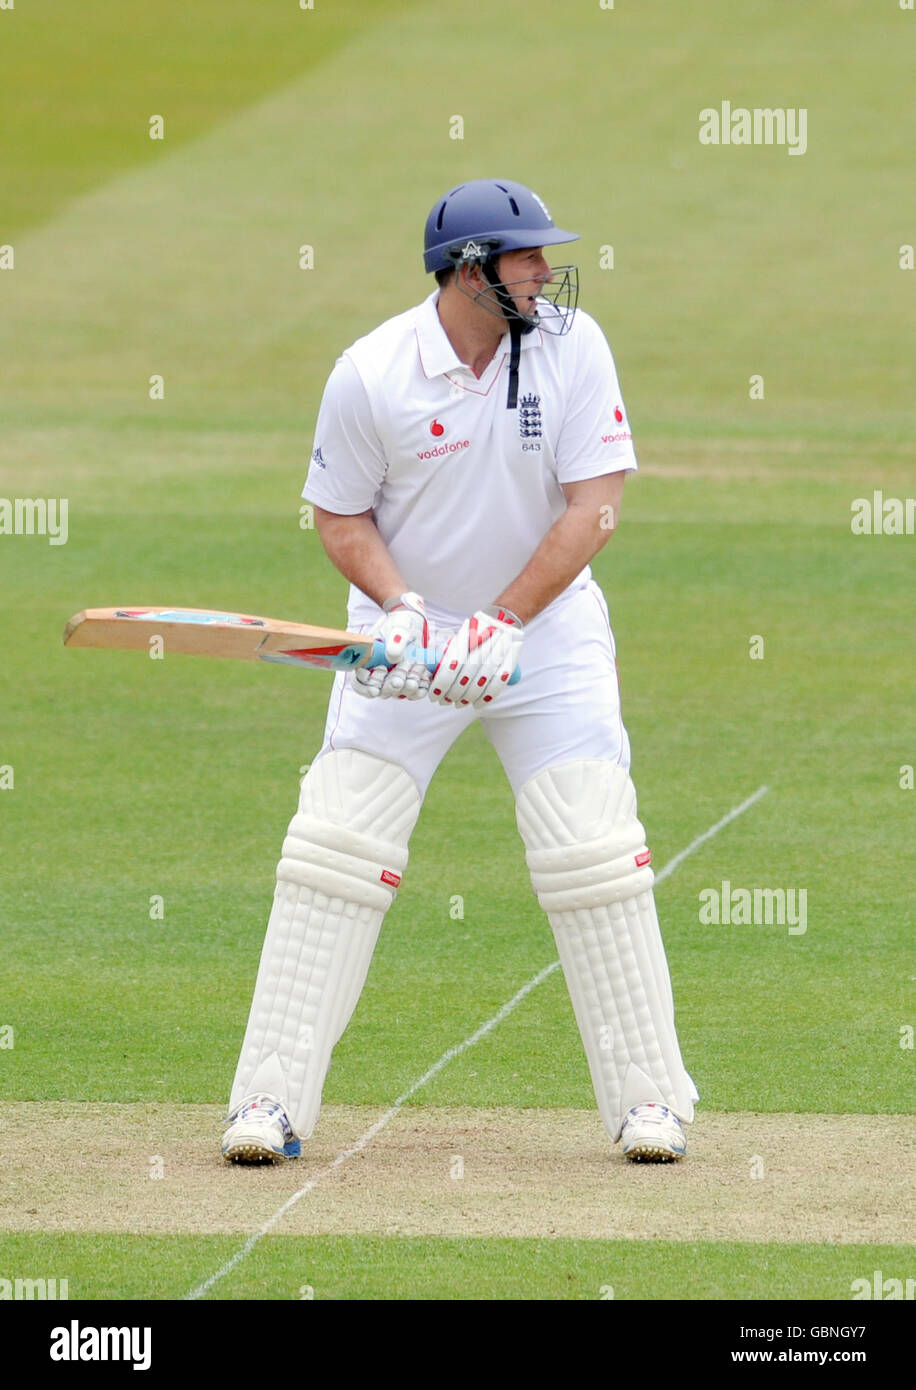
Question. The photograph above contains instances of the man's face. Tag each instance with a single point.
(524, 273)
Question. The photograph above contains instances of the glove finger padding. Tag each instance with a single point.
(407, 682)
(479, 659)
(404, 626)
(368, 680)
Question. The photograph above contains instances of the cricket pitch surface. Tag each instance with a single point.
(155, 1168)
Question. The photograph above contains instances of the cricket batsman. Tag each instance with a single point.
(469, 461)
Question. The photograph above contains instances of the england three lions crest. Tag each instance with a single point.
(529, 417)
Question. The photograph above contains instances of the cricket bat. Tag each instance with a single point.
(205, 632)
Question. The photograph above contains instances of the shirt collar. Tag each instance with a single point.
(436, 352)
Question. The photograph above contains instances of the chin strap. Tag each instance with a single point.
(515, 334)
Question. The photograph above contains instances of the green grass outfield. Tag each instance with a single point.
(133, 779)
(300, 1269)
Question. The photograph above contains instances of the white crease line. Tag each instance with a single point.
(443, 1061)
(707, 835)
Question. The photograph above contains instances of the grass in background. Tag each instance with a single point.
(81, 86)
(133, 779)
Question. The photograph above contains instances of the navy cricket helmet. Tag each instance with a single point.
(475, 223)
(485, 217)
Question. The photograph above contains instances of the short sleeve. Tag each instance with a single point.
(595, 436)
(348, 461)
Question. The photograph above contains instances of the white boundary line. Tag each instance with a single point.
(443, 1061)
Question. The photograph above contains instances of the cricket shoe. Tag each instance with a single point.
(652, 1134)
(259, 1131)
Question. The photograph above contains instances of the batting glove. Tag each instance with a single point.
(479, 659)
(404, 626)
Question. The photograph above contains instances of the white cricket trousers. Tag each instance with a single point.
(565, 707)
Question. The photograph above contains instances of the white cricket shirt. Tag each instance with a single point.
(463, 490)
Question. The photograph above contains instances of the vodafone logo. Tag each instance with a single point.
(619, 436)
(442, 449)
(437, 429)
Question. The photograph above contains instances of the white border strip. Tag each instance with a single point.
(438, 1066)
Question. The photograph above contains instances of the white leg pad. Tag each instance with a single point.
(589, 865)
(342, 860)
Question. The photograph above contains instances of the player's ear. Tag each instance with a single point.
(474, 277)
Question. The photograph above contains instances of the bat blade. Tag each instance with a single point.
(208, 632)
(238, 636)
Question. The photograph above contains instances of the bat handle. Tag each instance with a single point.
(429, 657)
